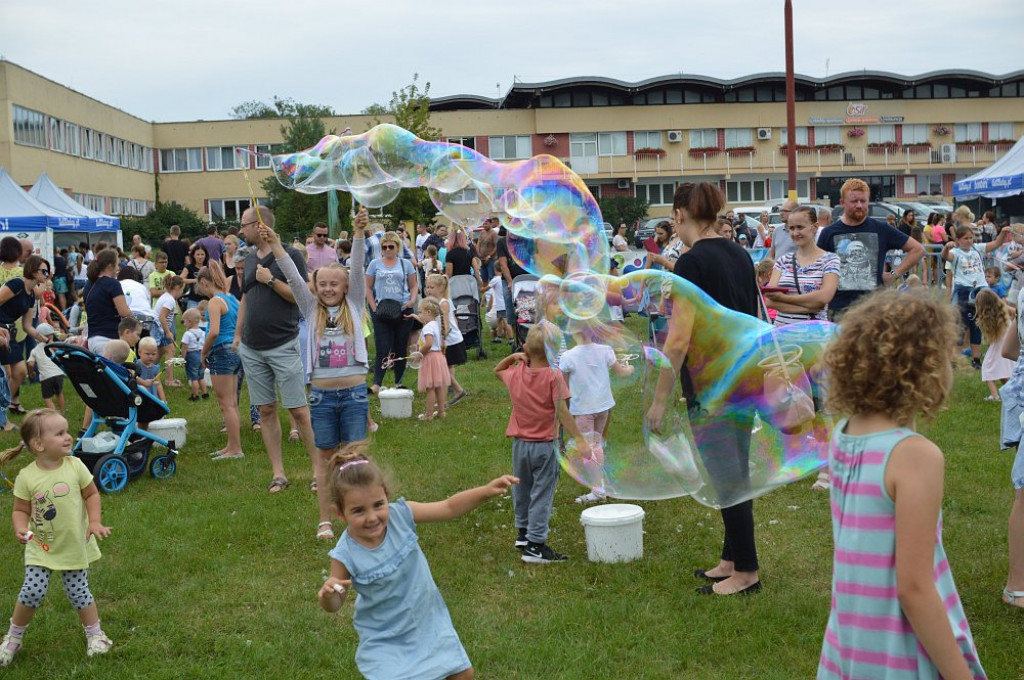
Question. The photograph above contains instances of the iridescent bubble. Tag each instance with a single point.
(707, 402)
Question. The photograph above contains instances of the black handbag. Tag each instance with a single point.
(389, 310)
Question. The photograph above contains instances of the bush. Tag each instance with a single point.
(154, 227)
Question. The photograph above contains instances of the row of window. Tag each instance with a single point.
(47, 132)
(191, 159)
(773, 93)
(736, 191)
(117, 206)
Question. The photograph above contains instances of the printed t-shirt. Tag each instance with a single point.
(861, 250)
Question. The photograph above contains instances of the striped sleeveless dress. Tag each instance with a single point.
(867, 635)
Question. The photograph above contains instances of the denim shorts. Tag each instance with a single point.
(194, 365)
(222, 360)
(1017, 472)
(157, 333)
(338, 415)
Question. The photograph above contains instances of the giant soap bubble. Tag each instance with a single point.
(746, 415)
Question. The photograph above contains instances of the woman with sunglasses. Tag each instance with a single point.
(392, 289)
(18, 301)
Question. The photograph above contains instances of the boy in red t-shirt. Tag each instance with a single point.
(539, 396)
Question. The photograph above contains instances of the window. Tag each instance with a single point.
(56, 134)
(97, 146)
(110, 149)
(582, 144)
(738, 137)
(647, 140)
(228, 209)
(466, 196)
(1000, 131)
(967, 132)
(801, 136)
(881, 134)
(29, 127)
(263, 154)
(611, 143)
(115, 206)
(71, 139)
(656, 194)
(96, 203)
(745, 191)
(221, 158)
(704, 139)
(915, 134)
(181, 160)
(122, 152)
(468, 142)
(510, 147)
(87, 143)
(828, 134)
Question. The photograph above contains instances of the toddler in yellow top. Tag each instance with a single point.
(57, 516)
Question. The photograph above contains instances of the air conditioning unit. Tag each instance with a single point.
(949, 153)
(675, 136)
(623, 184)
(764, 133)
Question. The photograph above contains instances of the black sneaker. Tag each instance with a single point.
(976, 363)
(456, 399)
(541, 553)
(521, 541)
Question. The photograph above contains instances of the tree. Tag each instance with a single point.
(296, 212)
(154, 226)
(619, 209)
(409, 108)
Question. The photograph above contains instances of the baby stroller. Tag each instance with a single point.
(117, 402)
(466, 300)
(524, 301)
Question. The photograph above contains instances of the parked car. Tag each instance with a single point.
(921, 211)
(879, 210)
(646, 231)
(609, 231)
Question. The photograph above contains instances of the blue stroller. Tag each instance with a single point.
(117, 402)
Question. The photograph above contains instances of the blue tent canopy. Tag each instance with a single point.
(1002, 179)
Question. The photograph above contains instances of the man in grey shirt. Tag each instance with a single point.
(267, 339)
(782, 244)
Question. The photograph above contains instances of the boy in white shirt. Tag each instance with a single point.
(51, 378)
(192, 347)
(495, 298)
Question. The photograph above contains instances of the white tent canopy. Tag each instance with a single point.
(1002, 179)
(48, 193)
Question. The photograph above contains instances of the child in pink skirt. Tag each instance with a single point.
(433, 374)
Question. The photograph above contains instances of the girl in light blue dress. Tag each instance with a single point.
(402, 621)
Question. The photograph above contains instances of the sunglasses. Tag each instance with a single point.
(320, 235)
(389, 247)
(44, 272)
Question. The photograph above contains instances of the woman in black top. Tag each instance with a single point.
(459, 260)
(721, 424)
(197, 259)
(17, 306)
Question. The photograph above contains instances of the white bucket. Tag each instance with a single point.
(171, 429)
(396, 402)
(615, 532)
(207, 378)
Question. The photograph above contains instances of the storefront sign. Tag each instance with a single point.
(856, 114)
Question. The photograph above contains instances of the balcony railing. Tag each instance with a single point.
(773, 159)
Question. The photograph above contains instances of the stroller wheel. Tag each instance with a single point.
(110, 473)
(162, 467)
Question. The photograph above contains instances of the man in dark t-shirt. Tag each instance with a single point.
(176, 250)
(267, 337)
(510, 269)
(861, 243)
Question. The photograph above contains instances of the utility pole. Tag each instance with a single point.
(790, 102)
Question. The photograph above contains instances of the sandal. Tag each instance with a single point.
(229, 456)
(256, 427)
(9, 427)
(16, 408)
(823, 483)
(325, 531)
(1010, 597)
(278, 484)
(312, 487)
(293, 435)
(424, 416)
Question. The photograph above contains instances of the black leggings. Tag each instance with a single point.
(390, 337)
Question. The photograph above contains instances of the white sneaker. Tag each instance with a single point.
(98, 644)
(592, 497)
(8, 648)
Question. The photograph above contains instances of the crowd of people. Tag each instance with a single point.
(295, 321)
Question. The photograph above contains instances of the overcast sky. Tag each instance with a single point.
(196, 59)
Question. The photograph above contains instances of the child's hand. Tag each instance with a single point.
(98, 530)
(362, 219)
(499, 486)
(520, 357)
(583, 446)
(23, 536)
(269, 236)
(332, 593)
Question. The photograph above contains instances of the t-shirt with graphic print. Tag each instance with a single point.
(336, 353)
(57, 515)
(861, 250)
(968, 265)
(390, 283)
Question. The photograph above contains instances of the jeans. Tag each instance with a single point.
(5, 397)
(339, 415)
(961, 295)
(510, 308)
(487, 271)
(389, 337)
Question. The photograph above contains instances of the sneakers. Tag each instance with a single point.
(976, 363)
(591, 497)
(966, 352)
(456, 399)
(541, 553)
(8, 648)
(98, 644)
(521, 541)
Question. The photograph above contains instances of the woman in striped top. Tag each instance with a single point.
(895, 608)
(810, 276)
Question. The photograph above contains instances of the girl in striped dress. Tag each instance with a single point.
(895, 609)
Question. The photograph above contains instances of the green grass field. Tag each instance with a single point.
(206, 575)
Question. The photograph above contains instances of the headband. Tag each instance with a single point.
(351, 463)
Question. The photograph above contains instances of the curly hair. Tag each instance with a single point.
(893, 356)
(991, 315)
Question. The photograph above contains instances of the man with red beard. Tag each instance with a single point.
(861, 243)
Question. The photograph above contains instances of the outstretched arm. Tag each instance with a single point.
(462, 502)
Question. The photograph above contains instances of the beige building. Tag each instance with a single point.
(906, 136)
